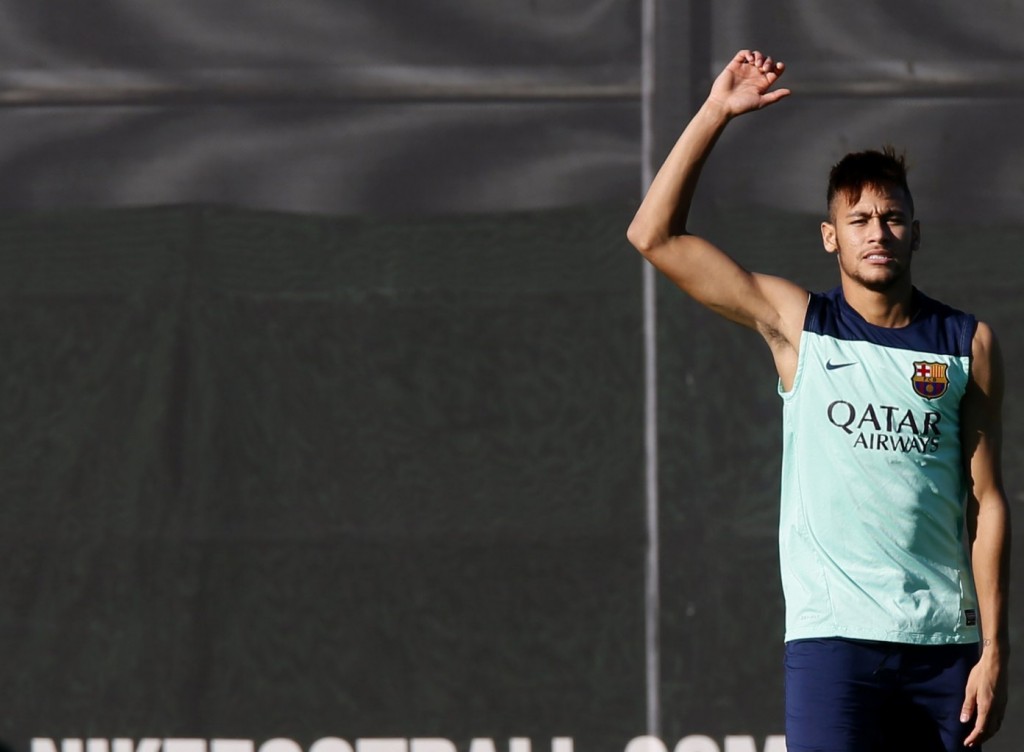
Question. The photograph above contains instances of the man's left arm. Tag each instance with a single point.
(988, 521)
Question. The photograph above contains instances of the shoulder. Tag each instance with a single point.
(954, 328)
(986, 359)
(984, 341)
(823, 312)
(786, 297)
(981, 407)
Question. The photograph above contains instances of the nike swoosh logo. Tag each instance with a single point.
(830, 366)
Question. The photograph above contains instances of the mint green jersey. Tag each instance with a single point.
(872, 526)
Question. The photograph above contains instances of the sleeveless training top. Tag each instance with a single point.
(872, 518)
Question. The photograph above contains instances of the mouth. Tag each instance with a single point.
(879, 258)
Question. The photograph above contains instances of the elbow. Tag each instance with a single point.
(641, 238)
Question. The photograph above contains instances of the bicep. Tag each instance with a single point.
(981, 418)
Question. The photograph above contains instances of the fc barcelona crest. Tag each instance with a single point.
(929, 379)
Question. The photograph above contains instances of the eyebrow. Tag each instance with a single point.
(889, 213)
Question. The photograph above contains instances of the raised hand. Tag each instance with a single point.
(746, 83)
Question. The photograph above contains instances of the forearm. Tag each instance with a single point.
(990, 554)
(746, 84)
(666, 207)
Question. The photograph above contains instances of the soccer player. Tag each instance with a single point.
(894, 523)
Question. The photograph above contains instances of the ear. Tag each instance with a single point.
(828, 237)
(915, 235)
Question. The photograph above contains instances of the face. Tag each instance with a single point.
(874, 237)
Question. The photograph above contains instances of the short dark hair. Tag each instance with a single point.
(863, 169)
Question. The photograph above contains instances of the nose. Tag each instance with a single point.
(879, 229)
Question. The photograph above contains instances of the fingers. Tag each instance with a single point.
(774, 96)
(764, 63)
(987, 722)
(747, 83)
(978, 732)
(967, 711)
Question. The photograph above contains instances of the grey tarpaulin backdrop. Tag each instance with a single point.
(324, 403)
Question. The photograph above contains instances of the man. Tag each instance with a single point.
(891, 458)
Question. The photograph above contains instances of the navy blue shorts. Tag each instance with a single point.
(858, 696)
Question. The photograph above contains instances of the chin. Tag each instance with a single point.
(880, 282)
(879, 285)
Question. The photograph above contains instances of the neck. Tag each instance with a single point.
(891, 308)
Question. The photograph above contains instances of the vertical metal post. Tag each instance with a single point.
(652, 590)
(676, 52)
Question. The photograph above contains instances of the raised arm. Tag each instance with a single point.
(773, 306)
(988, 518)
